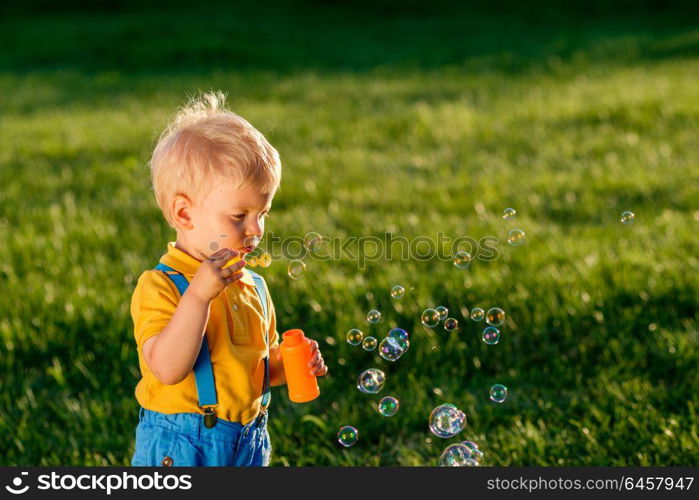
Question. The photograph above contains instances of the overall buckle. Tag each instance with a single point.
(209, 417)
(260, 416)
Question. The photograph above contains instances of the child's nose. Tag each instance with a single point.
(255, 229)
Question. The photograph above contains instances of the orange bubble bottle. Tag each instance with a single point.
(296, 353)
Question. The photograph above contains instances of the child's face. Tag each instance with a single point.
(227, 218)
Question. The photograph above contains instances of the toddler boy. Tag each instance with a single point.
(204, 325)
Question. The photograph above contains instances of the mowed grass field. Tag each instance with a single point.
(403, 119)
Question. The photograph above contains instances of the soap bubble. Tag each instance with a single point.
(627, 217)
(312, 241)
(477, 314)
(462, 259)
(491, 335)
(398, 333)
(430, 318)
(443, 312)
(400, 336)
(495, 316)
(355, 336)
(296, 269)
(390, 349)
(371, 381)
(388, 406)
(475, 452)
(451, 324)
(264, 260)
(515, 237)
(498, 393)
(446, 421)
(369, 344)
(509, 213)
(251, 261)
(471, 445)
(397, 292)
(456, 455)
(347, 436)
(373, 316)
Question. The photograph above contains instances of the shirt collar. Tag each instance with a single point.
(181, 261)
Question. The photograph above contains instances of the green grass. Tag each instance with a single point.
(413, 121)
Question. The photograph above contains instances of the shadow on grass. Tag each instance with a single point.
(287, 36)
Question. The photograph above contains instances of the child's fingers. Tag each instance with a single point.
(320, 371)
(226, 258)
(233, 278)
(314, 346)
(218, 253)
(316, 359)
(233, 268)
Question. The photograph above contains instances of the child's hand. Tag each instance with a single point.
(316, 363)
(210, 279)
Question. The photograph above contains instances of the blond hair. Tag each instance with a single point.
(203, 141)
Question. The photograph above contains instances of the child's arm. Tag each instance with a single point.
(171, 354)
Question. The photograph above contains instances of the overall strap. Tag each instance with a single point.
(262, 292)
(203, 372)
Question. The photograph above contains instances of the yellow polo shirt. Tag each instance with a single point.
(235, 333)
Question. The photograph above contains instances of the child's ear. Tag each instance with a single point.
(181, 210)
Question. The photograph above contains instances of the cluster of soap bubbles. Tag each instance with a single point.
(515, 237)
(370, 381)
(432, 317)
(446, 420)
(494, 317)
(263, 260)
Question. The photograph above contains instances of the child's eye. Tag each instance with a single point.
(239, 216)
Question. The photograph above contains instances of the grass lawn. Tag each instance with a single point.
(410, 120)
